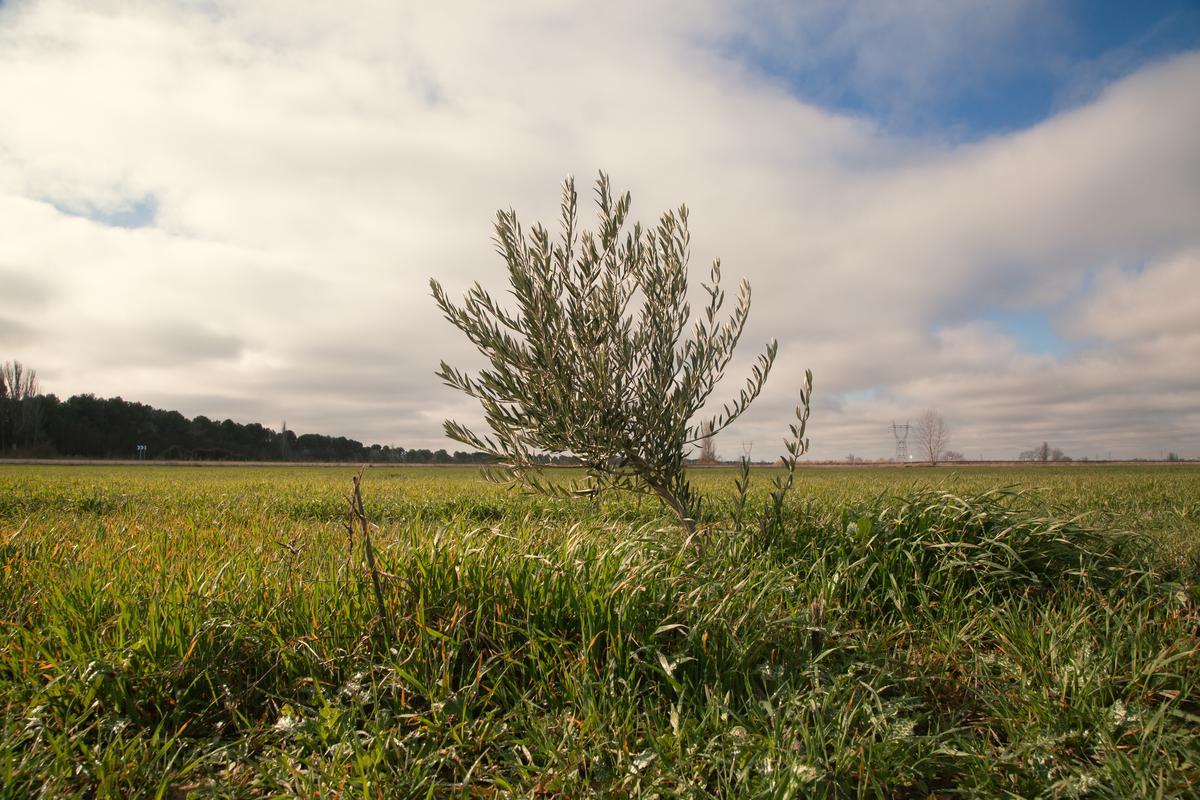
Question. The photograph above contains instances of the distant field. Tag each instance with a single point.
(185, 631)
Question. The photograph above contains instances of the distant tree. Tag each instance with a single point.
(5, 412)
(932, 436)
(1172, 456)
(1044, 453)
(418, 455)
(708, 448)
(1041, 453)
(476, 457)
(20, 406)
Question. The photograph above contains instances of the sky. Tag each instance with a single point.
(989, 209)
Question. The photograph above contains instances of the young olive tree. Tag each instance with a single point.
(601, 358)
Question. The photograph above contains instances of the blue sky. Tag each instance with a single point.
(986, 208)
(134, 213)
(1044, 58)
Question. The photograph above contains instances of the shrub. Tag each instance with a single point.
(601, 358)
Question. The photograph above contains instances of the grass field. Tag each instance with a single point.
(212, 632)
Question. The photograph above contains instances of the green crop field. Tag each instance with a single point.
(213, 632)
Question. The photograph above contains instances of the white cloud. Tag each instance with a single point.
(1159, 301)
(312, 168)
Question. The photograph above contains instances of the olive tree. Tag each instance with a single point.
(601, 358)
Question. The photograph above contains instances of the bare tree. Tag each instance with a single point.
(708, 448)
(1044, 453)
(932, 436)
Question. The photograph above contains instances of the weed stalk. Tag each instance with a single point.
(358, 516)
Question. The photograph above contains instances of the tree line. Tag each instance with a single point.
(1044, 452)
(85, 426)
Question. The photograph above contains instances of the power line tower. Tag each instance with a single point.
(900, 432)
(746, 448)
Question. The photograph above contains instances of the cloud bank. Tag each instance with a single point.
(234, 209)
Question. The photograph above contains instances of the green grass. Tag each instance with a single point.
(210, 632)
